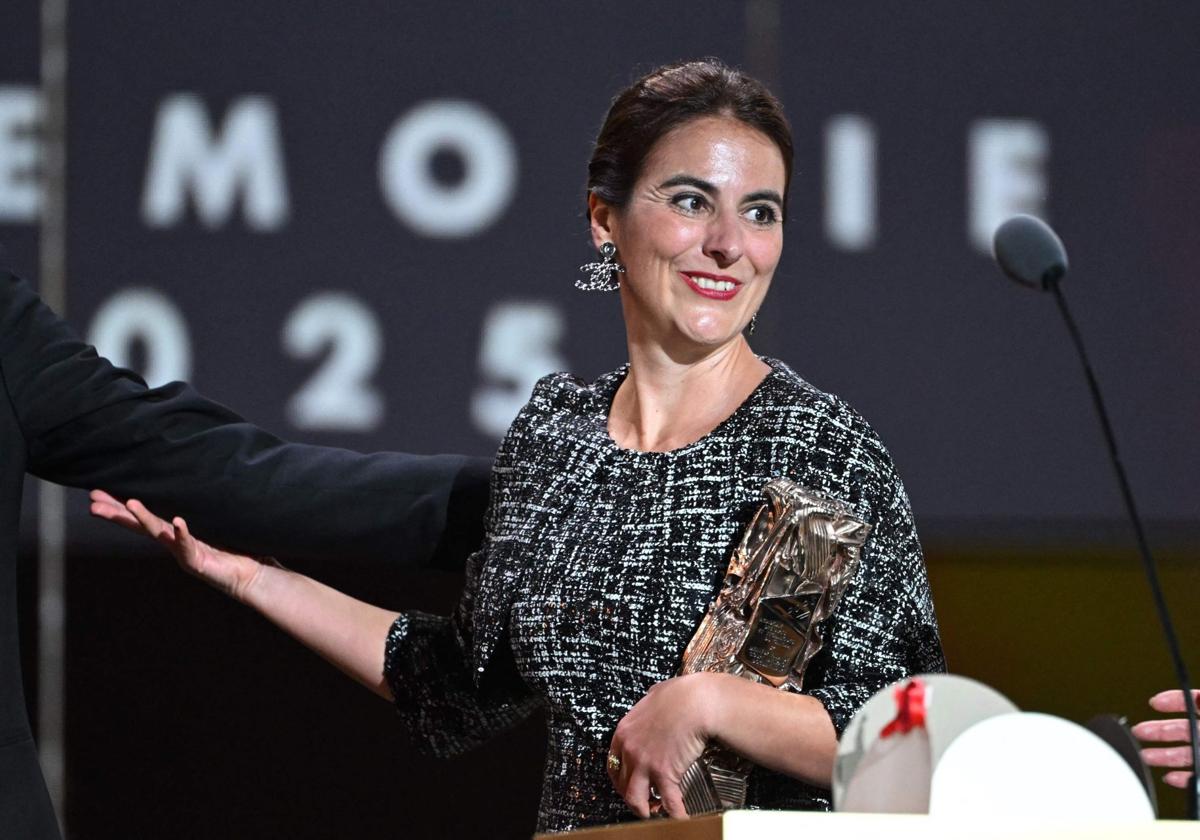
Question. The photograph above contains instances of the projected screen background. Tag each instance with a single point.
(384, 212)
(361, 227)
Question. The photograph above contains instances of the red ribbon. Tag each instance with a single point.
(910, 708)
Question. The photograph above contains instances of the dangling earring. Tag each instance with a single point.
(753, 323)
(601, 276)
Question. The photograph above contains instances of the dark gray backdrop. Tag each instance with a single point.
(956, 367)
(969, 379)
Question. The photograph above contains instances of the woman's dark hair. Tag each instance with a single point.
(667, 98)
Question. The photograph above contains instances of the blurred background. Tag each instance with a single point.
(360, 226)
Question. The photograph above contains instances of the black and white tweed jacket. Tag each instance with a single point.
(599, 563)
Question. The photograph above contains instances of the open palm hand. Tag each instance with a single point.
(232, 573)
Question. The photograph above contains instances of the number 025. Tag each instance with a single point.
(517, 346)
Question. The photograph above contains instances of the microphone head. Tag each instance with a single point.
(1030, 252)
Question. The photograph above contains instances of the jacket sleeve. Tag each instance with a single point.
(884, 629)
(444, 709)
(86, 423)
(444, 705)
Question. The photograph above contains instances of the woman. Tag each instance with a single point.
(615, 505)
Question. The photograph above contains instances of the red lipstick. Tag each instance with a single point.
(719, 286)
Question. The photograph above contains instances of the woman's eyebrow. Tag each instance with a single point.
(690, 181)
(713, 189)
(765, 195)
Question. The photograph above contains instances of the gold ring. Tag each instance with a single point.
(614, 762)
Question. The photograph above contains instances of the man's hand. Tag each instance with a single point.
(1164, 731)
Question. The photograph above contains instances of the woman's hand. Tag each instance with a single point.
(1168, 731)
(233, 574)
(663, 734)
(668, 729)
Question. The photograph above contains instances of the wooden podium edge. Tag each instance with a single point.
(702, 828)
(776, 825)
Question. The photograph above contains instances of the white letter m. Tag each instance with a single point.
(245, 157)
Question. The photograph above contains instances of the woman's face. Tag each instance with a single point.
(701, 234)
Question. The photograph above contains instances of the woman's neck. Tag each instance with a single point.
(665, 403)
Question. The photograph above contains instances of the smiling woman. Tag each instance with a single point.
(700, 239)
(615, 504)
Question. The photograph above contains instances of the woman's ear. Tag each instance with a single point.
(601, 216)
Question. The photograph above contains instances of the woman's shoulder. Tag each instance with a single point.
(566, 392)
(797, 403)
(818, 433)
(562, 406)
(564, 398)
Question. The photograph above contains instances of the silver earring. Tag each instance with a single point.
(602, 275)
(753, 323)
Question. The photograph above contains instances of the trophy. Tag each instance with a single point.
(787, 575)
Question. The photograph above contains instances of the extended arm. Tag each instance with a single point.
(416, 660)
(346, 632)
(87, 423)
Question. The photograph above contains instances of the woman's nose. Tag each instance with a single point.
(723, 241)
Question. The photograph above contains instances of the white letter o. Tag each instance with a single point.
(149, 316)
(489, 157)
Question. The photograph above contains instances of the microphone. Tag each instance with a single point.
(1030, 252)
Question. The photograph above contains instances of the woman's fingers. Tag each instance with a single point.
(189, 547)
(672, 799)
(637, 792)
(1171, 701)
(151, 524)
(231, 573)
(615, 765)
(619, 765)
(646, 793)
(628, 777)
(98, 495)
(657, 741)
(184, 535)
(1174, 729)
(106, 507)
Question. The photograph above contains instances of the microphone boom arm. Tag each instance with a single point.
(1148, 564)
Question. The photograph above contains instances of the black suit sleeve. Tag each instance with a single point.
(87, 423)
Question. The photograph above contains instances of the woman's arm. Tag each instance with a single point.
(785, 732)
(415, 660)
(346, 632)
(668, 728)
(884, 630)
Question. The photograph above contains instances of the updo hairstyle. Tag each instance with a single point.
(668, 97)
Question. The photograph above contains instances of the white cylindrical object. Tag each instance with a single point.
(1039, 766)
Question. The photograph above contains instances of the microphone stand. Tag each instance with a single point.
(1050, 281)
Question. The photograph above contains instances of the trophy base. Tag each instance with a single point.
(711, 785)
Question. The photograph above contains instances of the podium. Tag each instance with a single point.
(800, 825)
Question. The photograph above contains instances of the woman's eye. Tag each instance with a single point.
(762, 214)
(689, 202)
